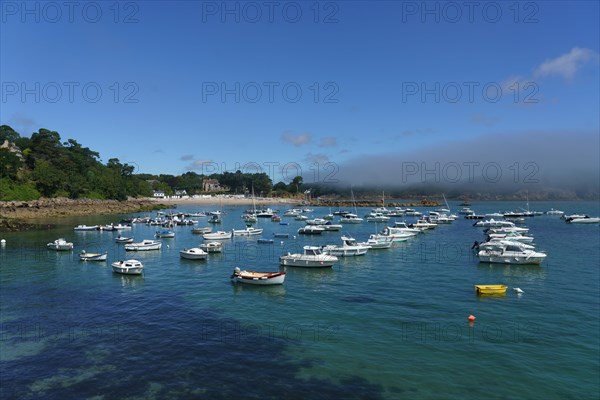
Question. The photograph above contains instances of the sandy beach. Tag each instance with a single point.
(225, 201)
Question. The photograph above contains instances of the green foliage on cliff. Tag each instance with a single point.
(43, 165)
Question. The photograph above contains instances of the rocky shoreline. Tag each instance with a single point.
(18, 215)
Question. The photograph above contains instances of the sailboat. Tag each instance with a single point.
(350, 218)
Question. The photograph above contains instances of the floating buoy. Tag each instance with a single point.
(518, 290)
(471, 318)
(3, 242)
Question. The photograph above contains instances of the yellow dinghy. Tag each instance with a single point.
(490, 290)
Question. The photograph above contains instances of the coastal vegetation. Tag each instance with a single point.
(45, 165)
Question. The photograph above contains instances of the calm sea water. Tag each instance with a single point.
(389, 325)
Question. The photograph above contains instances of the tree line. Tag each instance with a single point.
(45, 165)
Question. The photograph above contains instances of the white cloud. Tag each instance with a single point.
(567, 64)
(328, 141)
(320, 158)
(201, 165)
(296, 140)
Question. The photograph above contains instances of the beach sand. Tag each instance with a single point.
(225, 201)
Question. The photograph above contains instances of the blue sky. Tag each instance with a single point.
(396, 81)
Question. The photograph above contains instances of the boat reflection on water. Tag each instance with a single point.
(263, 290)
(533, 271)
(131, 281)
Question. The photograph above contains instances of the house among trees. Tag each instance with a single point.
(12, 148)
(159, 194)
(211, 185)
(180, 193)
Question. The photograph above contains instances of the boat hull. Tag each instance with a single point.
(290, 261)
(193, 255)
(259, 278)
(92, 257)
(497, 290)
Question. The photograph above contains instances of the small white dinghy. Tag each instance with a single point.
(257, 278)
(60, 245)
(212, 247)
(85, 256)
(129, 267)
(193, 254)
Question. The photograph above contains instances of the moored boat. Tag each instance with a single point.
(257, 278)
(218, 235)
(212, 247)
(128, 267)
(86, 228)
(193, 254)
(60, 245)
(312, 257)
(144, 245)
(490, 290)
(248, 231)
(123, 239)
(201, 230)
(311, 230)
(348, 248)
(85, 256)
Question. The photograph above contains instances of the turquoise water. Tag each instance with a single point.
(390, 325)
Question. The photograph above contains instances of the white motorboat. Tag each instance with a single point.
(218, 235)
(378, 242)
(129, 267)
(552, 211)
(410, 212)
(494, 215)
(572, 216)
(248, 231)
(376, 217)
(351, 219)
(466, 211)
(311, 230)
(510, 254)
(312, 257)
(494, 243)
(402, 227)
(167, 234)
(144, 245)
(250, 217)
(294, 212)
(202, 230)
(348, 248)
(423, 224)
(266, 213)
(60, 245)
(492, 223)
(257, 278)
(517, 237)
(583, 220)
(212, 247)
(301, 218)
(121, 227)
(86, 228)
(193, 254)
(331, 227)
(395, 234)
(316, 221)
(123, 239)
(85, 256)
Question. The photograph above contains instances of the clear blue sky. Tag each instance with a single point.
(376, 79)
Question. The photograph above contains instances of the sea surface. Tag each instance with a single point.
(388, 325)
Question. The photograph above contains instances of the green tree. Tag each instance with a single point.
(296, 184)
(8, 133)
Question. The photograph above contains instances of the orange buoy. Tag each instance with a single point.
(471, 318)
